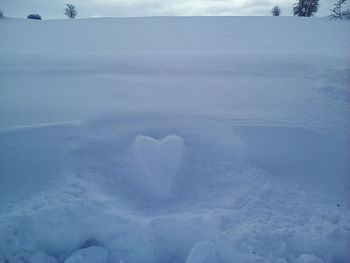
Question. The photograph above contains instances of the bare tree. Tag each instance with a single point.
(1, 14)
(70, 11)
(276, 11)
(305, 7)
(338, 13)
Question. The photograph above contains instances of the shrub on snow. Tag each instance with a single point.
(276, 11)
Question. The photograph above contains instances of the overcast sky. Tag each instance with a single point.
(94, 8)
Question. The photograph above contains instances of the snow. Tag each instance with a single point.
(158, 162)
(42, 257)
(175, 140)
(93, 254)
(307, 258)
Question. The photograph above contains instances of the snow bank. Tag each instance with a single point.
(174, 140)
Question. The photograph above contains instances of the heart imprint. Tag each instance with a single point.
(158, 161)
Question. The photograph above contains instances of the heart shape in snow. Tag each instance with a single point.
(158, 161)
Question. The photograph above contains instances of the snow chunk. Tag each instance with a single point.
(42, 257)
(208, 252)
(309, 258)
(203, 252)
(94, 254)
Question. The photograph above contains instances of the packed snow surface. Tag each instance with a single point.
(175, 140)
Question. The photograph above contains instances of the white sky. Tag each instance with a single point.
(93, 8)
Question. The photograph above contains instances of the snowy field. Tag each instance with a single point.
(175, 140)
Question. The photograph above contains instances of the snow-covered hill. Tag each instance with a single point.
(175, 140)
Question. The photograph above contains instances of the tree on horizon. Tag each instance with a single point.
(70, 11)
(306, 8)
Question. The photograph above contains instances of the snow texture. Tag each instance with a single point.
(174, 140)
